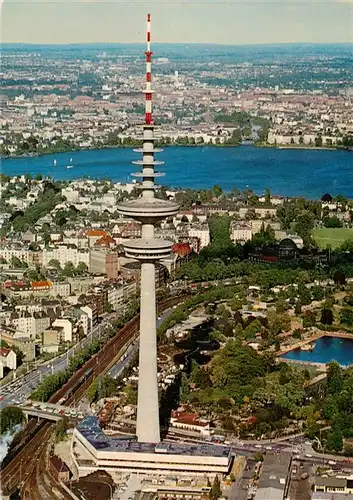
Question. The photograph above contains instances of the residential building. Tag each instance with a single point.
(116, 297)
(265, 212)
(51, 340)
(65, 254)
(190, 422)
(91, 314)
(80, 285)
(103, 260)
(334, 484)
(256, 225)
(83, 320)
(59, 469)
(202, 232)
(71, 195)
(67, 327)
(17, 338)
(32, 324)
(60, 289)
(8, 359)
(8, 252)
(240, 232)
(95, 234)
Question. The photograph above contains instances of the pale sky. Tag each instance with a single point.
(212, 21)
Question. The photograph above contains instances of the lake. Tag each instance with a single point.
(326, 349)
(290, 172)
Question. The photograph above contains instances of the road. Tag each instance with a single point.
(34, 436)
(19, 389)
(118, 368)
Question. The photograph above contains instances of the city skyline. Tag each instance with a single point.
(238, 23)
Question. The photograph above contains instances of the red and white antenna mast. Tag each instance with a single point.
(148, 91)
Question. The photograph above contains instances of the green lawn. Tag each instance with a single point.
(332, 236)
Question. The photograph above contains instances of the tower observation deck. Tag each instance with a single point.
(149, 210)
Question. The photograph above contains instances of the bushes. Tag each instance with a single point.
(54, 382)
(181, 313)
(9, 418)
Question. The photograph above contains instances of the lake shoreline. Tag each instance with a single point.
(287, 171)
(116, 146)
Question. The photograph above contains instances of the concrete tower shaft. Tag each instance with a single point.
(149, 210)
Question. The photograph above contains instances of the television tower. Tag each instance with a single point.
(149, 210)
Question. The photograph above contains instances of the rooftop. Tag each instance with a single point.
(89, 428)
(273, 476)
(336, 482)
(4, 351)
(58, 464)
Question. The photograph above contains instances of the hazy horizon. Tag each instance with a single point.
(141, 44)
(216, 22)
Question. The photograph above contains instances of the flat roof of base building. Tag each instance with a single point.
(89, 428)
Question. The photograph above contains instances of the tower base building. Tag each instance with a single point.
(93, 450)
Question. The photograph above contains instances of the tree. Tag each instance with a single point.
(9, 418)
(108, 308)
(54, 263)
(334, 440)
(278, 322)
(60, 428)
(333, 221)
(217, 190)
(200, 378)
(304, 225)
(238, 332)
(216, 491)
(19, 354)
(285, 373)
(346, 316)
(309, 319)
(184, 387)
(252, 329)
(69, 270)
(39, 177)
(267, 196)
(297, 334)
(326, 316)
(15, 262)
(81, 268)
(130, 392)
(60, 219)
(334, 378)
(339, 278)
(235, 366)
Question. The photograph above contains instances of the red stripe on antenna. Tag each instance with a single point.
(148, 36)
(148, 17)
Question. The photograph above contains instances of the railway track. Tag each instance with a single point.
(27, 464)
